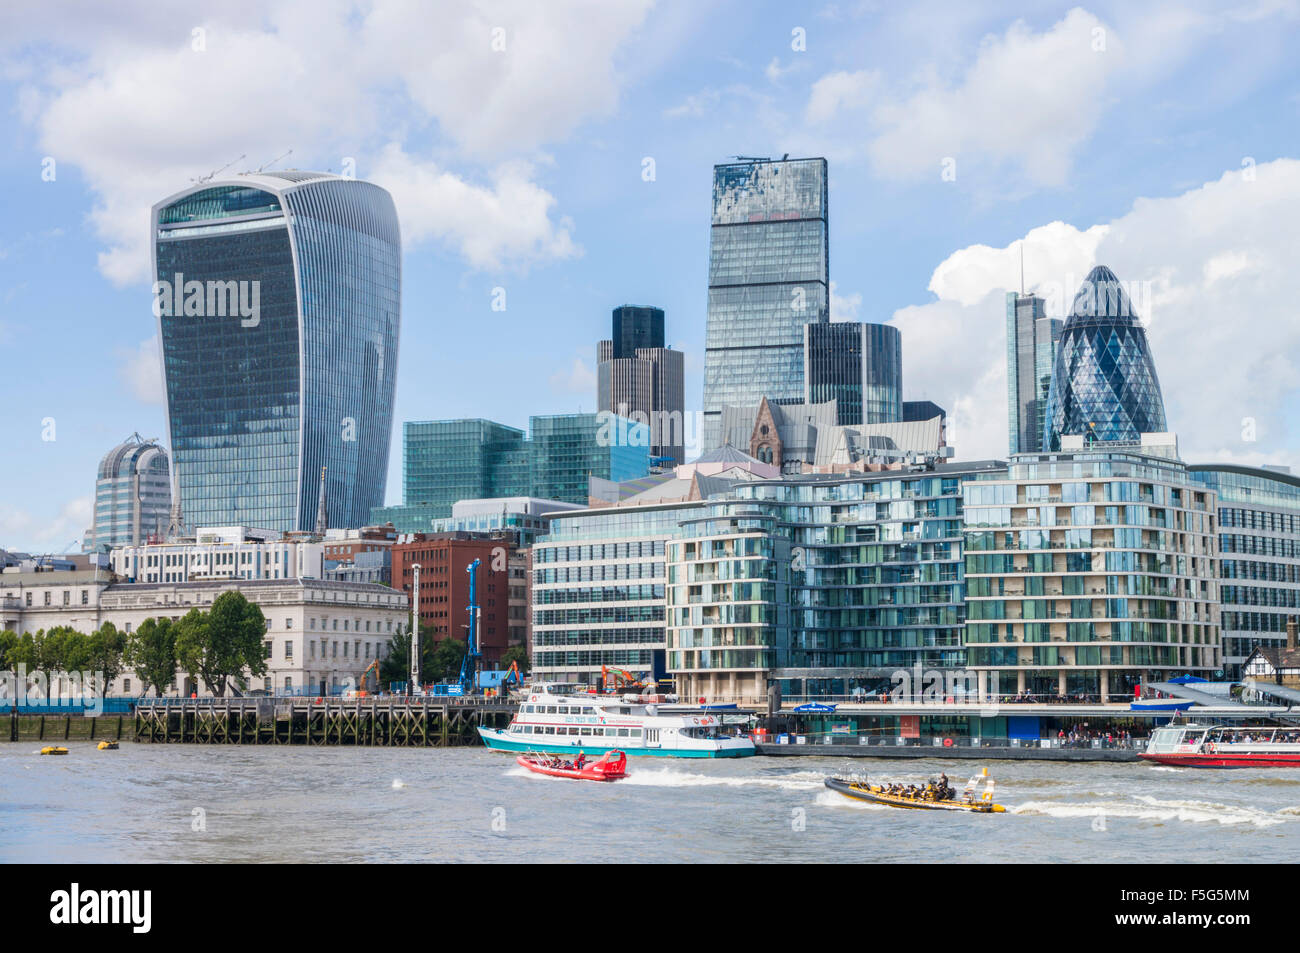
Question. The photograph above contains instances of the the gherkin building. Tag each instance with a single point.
(1104, 385)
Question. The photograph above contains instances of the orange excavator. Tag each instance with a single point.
(361, 682)
(618, 679)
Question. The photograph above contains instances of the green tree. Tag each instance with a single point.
(107, 649)
(517, 654)
(8, 645)
(151, 652)
(396, 666)
(23, 653)
(220, 644)
(447, 658)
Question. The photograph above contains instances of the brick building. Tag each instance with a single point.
(444, 584)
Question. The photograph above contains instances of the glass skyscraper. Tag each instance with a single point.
(768, 277)
(1104, 387)
(1032, 340)
(445, 461)
(278, 297)
(860, 366)
(133, 496)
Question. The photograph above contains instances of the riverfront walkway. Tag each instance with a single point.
(960, 753)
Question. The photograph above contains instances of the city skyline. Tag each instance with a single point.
(75, 255)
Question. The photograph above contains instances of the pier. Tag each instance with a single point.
(394, 721)
(963, 753)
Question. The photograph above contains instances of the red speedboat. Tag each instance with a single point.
(1225, 746)
(610, 766)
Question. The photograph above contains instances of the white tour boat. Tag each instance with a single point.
(553, 718)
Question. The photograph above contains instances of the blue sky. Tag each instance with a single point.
(1158, 139)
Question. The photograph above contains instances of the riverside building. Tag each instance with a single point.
(826, 585)
(1091, 570)
(1259, 556)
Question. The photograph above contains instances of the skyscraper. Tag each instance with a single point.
(278, 297)
(639, 378)
(768, 277)
(1104, 386)
(1032, 338)
(133, 495)
(860, 366)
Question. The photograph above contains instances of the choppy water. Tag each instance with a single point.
(380, 804)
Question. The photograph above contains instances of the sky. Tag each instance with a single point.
(559, 156)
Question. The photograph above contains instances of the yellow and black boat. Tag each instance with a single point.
(54, 749)
(107, 746)
(969, 801)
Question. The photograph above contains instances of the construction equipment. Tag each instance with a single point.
(469, 666)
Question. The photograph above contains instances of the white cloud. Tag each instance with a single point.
(1218, 299)
(141, 372)
(579, 378)
(837, 92)
(139, 111)
(1028, 99)
(24, 531)
(844, 307)
(510, 221)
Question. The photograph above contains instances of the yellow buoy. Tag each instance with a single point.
(108, 746)
(51, 749)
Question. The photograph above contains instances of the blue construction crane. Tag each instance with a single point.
(469, 666)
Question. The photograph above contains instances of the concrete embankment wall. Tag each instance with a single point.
(67, 728)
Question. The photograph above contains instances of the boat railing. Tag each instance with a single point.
(840, 739)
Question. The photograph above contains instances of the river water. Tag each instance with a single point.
(222, 804)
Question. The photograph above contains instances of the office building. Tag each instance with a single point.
(768, 277)
(1259, 556)
(859, 366)
(320, 635)
(133, 496)
(1032, 340)
(278, 303)
(446, 461)
(444, 559)
(221, 552)
(1091, 570)
(1104, 387)
(641, 379)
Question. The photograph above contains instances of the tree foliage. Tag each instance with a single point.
(220, 644)
(151, 652)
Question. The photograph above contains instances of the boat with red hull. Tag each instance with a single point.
(1224, 746)
(611, 766)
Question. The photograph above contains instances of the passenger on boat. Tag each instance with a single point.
(579, 761)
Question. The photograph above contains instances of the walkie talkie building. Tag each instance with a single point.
(278, 298)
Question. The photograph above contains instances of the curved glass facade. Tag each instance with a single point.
(860, 366)
(278, 300)
(1104, 386)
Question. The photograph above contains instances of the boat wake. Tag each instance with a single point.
(674, 778)
(1153, 809)
(831, 799)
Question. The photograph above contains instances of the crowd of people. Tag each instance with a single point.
(1081, 736)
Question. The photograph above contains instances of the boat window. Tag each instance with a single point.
(622, 732)
(636, 732)
(550, 710)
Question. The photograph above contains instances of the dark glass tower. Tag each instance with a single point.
(860, 366)
(278, 298)
(1104, 386)
(768, 277)
(636, 326)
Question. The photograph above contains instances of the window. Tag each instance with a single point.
(126, 686)
(288, 623)
(85, 600)
(266, 647)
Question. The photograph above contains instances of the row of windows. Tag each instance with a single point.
(592, 731)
